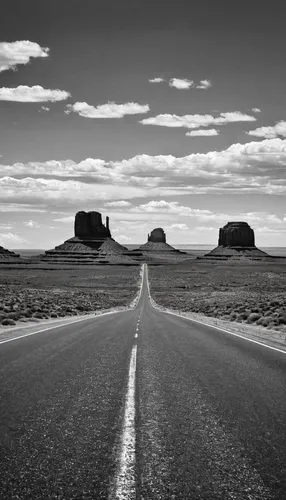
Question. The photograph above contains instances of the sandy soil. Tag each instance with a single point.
(33, 296)
(242, 298)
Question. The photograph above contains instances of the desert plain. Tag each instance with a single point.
(242, 296)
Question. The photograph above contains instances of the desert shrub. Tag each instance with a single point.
(256, 309)
(8, 322)
(14, 315)
(282, 319)
(253, 317)
(27, 313)
(244, 316)
(233, 316)
(38, 315)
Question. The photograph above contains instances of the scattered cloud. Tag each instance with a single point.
(270, 132)
(10, 239)
(204, 84)
(201, 132)
(20, 207)
(156, 80)
(118, 204)
(65, 220)
(254, 167)
(270, 230)
(181, 84)
(123, 238)
(181, 227)
(14, 53)
(256, 110)
(196, 121)
(32, 224)
(23, 93)
(44, 108)
(205, 228)
(186, 84)
(109, 110)
(5, 227)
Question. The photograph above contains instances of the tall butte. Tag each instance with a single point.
(92, 243)
(236, 240)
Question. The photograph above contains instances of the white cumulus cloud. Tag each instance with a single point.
(181, 84)
(186, 84)
(156, 80)
(256, 110)
(109, 110)
(204, 84)
(254, 167)
(197, 121)
(270, 132)
(31, 223)
(202, 133)
(181, 227)
(118, 204)
(23, 93)
(14, 53)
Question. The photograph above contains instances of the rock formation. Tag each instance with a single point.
(236, 239)
(88, 225)
(236, 234)
(91, 244)
(157, 235)
(157, 244)
(8, 255)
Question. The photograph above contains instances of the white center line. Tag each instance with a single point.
(125, 486)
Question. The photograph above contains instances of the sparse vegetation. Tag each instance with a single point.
(235, 292)
(36, 294)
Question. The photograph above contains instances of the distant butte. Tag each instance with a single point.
(92, 243)
(236, 240)
(156, 242)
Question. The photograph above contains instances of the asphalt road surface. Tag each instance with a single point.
(141, 405)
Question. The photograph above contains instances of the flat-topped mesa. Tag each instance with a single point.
(91, 244)
(157, 235)
(157, 243)
(236, 234)
(88, 225)
(236, 240)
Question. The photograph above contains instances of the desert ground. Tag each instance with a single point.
(250, 296)
(30, 294)
(244, 296)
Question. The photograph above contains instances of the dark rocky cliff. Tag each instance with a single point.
(236, 234)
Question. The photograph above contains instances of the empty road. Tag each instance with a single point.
(141, 404)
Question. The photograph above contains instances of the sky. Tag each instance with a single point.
(157, 113)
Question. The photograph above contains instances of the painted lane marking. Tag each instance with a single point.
(125, 485)
(152, 303)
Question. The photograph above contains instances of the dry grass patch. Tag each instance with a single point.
(36, 294)
(252, 294)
